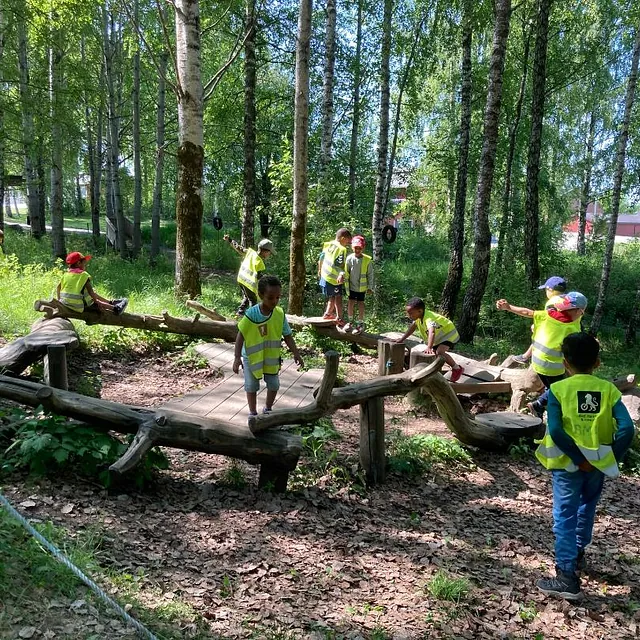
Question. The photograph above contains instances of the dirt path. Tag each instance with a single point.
(328, 560)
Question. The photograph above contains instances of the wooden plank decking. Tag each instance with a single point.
(227, 400)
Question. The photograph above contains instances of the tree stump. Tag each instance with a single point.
(390, 357)
(55, 367)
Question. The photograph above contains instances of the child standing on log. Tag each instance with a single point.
(550, 328)
(331, 269)
(75, 292)
(251, 269)
(438, 332)
(359, 269)
(589, 431)
(257, 350)
(554, 286)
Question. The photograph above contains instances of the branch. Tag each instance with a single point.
(210, 87)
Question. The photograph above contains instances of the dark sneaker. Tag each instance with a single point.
(581, 562)
(120, 305)
(266, 410)
(456, 373)
(521, 359)
(564, 585)
(348, 327)
(359, 327)
(535, 410)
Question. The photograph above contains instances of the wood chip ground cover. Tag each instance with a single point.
(329, 560)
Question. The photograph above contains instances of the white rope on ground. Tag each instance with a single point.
(143, 632)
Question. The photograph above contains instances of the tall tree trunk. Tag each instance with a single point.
(28, 135)
(137, 144)
(190, 149)
(2, 132)
(156, 211)
(327, 106)
(383, 138)
(452, 286)
(266, 188)
(57, 139)
(300, 160)
(630, 331)
(482, 235)
(531, 207)
(617, 187)
(110, 47)
(505, 219)
(79, 200)
(355, 123)
(108, 190)
(585, 194)
(42, 189)
(249, 178)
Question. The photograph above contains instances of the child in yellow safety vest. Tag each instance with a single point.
(331, 270)
(438, 332)
(550, 328)
(257, 350)
(589, 431)
(75, 292)
(554, 286)
(359, 269)
(251, 268)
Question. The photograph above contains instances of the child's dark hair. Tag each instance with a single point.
(581, 351)
(343, 233)
(561, 287)
(416, 303)
(268, 281)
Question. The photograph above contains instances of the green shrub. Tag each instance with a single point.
(45, 443)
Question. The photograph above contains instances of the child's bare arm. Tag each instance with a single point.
(238, 248)
(98, 299)
(237, 359)
(407, 333)
(293, 347)
(430, 338)
(503, 305)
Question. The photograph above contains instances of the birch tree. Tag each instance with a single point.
(585, 192)
(137, 163)
(355, 121)
(156, 210)
(2, 131)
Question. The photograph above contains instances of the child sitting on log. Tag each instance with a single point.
(257, 350)
(438, 332)
(76, 293)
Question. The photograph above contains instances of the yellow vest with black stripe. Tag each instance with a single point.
(587, 404)
(71, 291)
(548, 334)
(444, 329)
(262, 342)
(364, 268)
(332, 252)
(248, 274)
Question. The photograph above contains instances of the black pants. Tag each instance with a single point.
(248, 300)
(547, 381)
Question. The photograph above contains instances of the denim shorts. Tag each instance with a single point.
(252, 384)
(332, 290)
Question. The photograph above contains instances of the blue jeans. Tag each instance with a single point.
(252, 384)
(575, 496)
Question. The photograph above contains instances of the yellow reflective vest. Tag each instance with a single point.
(330, 270)
(72, 292)
(548, 334)
(363, 283)
(248, 274)
(587, 417)
(262, 342)
(444, 328)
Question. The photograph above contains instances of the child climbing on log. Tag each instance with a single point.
(75, 292)
(251, 268)
(331, 269)
(438, 332)
(554, 286)
(359, 270)
(257, 350)
(589, 431)
(550, 328)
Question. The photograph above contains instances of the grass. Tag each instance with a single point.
(443, 587)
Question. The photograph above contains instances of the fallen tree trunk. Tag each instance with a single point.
(16, 356)
(277, 452)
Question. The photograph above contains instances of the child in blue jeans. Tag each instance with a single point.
(257, 350)
(589, 431)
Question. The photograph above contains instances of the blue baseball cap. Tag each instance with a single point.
(556, 283)
(571, 300)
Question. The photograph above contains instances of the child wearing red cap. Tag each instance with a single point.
(359, 271)
(76, 293)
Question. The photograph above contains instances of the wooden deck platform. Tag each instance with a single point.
(227, 400)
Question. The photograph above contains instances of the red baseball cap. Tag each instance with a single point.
(76, 256)
(358, 241)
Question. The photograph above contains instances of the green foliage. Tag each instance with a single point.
(234, 476)
(444, 587)
(631, 464)
(522, 450)
(414, 455)
(45, 443)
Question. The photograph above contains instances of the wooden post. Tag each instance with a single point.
(372, 453)
(55, 367)
(416, 398)
(418, 355)
(390, 357)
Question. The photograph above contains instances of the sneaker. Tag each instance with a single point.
(564, 585)
(455, 374)
(581, 562)
(359, 328)
(348, 327)
(329, 316)
(521, 359)
(535, 410)
(340, 323)
(120, 305)
(266, 410)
